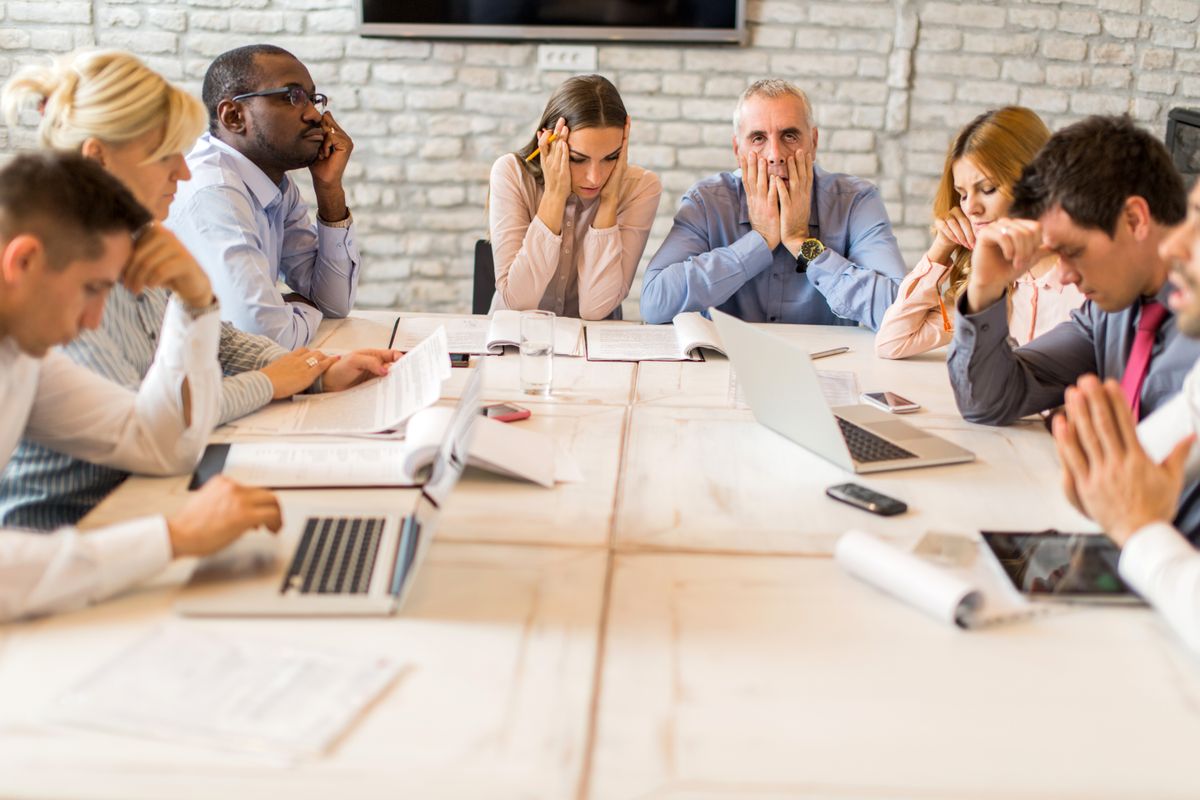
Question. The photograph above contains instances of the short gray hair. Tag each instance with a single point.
(773, 87)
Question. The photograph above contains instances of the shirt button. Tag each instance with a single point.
(985, 327)
(771, 319)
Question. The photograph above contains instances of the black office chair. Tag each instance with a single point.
(485, 278)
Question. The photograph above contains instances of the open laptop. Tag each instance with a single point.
(344, 564)
(784, 392)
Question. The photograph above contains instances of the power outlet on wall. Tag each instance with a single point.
(566, 57)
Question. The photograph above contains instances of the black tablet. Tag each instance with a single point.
(1061, 566)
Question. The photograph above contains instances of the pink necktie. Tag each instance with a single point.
(1151, 319)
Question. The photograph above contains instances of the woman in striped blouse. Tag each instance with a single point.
(112, 108)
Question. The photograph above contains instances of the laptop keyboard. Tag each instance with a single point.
(866, 447)
(336, 556)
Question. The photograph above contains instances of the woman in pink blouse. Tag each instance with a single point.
(568, 226)
(983, 163)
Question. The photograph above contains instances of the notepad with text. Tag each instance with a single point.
(485, 336)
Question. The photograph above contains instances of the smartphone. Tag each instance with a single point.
(890, 402)
(867, 499)
(505, 412)
(460, 359)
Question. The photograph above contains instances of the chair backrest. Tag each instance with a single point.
(485, 278)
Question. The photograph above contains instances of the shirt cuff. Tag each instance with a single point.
(196, 339)
(1147, 552)
(130, 552)
(984, 327)
(752, 253)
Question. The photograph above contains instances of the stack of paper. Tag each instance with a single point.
(682, 340)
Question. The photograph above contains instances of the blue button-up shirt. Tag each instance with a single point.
(712, 257)
(249, 233)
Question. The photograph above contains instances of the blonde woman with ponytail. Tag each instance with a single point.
(112, 108)
(983, 163)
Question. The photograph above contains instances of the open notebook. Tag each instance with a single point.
(484, 336)
(682, 340)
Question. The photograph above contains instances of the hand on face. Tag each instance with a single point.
(333, 154)
(795, 200)
(218, 513)
(1106, 473)
(762, 198)
(160, 259)
(952, 232)
(555, 158)
(1004, 251)
(611, 192)
(292, 373)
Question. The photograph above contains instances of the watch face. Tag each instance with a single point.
(811, 248)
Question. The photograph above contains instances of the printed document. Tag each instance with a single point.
(414, 382)
(482, 336)
(682, 340)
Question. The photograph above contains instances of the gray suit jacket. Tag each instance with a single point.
(997, 384)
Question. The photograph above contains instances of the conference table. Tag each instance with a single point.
(671, 626)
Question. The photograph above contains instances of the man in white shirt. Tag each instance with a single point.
(1129, 480)
(241, 213)
(68, 232)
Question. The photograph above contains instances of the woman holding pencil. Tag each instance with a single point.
(982, 164)
(568, 216)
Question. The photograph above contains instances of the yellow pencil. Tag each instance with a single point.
(537, 150)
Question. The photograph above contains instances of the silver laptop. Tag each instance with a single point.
(784, 392)
(343, 564)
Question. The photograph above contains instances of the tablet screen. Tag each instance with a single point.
(1075, 566)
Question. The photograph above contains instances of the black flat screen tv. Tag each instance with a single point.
(549, 20)
(1183, 140)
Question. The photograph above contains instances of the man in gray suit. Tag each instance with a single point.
(1102, 195)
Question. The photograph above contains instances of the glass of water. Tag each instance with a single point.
(537, 351)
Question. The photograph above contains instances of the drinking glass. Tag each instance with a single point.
(537, 351)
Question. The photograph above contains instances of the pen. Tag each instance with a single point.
(833, 351)
(537, 150)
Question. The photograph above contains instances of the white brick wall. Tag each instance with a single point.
(892, 81)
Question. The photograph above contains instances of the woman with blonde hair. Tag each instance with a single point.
(568, 216)
(112, 108)
(982, 164)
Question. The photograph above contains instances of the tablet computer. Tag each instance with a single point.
(1061, 566)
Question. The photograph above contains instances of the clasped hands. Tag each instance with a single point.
(779, 208)
(1106, 473)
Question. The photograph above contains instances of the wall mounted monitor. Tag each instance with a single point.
(673, 21)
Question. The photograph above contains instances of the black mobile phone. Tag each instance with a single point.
(867, 499)
(460, 359)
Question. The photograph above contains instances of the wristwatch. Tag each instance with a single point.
(341, 223)
(810, 249)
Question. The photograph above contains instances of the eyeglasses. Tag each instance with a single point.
(295, 95)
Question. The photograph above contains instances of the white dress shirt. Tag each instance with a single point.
(57, 403)
(1157, 560)
(249, 233)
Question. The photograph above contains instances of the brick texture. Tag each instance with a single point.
(891, 81)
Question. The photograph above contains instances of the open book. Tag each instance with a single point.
(498, 447)
(485, 336)
(679, 341)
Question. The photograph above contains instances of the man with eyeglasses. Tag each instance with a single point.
(241, 214)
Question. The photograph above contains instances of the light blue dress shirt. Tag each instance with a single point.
(249, 234)
(712, 257)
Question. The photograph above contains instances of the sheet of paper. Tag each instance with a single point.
(414, 382)
(229, 692)
(840, 387)
(280, 465)
(634, 343)
(506, 330)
